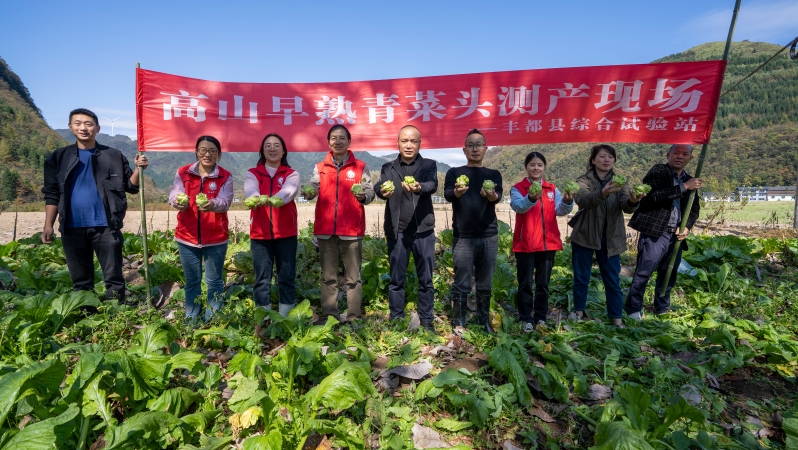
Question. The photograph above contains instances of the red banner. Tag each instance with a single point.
(655, 103)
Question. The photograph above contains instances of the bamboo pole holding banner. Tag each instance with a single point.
(701, 159)
(144, 223)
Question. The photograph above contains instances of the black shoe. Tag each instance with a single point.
(427, 325)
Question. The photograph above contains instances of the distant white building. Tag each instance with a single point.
(713, 197)
(766, 193)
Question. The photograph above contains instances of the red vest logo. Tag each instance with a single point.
(350, 174)
(280, 181)
(212, 186)
(551, 195)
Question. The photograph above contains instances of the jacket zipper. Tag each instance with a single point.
(543, 222)
(400, 201)
(337, 180)
(199, 221)
(271, 210)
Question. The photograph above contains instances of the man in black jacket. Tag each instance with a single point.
(658, 220)
(476, 230)
(85, 185)
(410, 223)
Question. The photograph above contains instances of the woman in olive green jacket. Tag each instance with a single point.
(599, 228)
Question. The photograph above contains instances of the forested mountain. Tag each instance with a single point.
(754, 142)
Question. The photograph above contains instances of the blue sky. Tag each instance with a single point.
(83, 54)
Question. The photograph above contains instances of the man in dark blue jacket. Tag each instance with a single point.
(85, 185)
(410, 223)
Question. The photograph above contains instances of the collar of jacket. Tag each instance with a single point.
(397, 163)
(593, 174)
(214, 173)
(98, 148)
(350, 159)
(261, 169)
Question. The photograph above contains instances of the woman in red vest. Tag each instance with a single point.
(536, 238)
(202, 231)
(273, 227)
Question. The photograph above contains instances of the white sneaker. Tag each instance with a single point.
(638, 316)
(529, 327)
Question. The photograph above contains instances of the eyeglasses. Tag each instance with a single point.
(475, 146)
(272, 146)
(338, 139)
(203, 151)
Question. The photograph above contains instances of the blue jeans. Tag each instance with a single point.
(266, 253)
(191, 259)
(475, 256)
(653, 254)
(610, 268)
(422, 246)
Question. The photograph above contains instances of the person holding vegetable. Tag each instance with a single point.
(473, 191)
(84, 187)
(410, 222)
(603, 198)
(343, 186)
(202, 192)
(536, 238)
(658, 220)
(270, 188)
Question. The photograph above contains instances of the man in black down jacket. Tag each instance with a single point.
(85, 185)
(658, 220)
(410, 223)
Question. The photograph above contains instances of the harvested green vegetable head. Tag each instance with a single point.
(201, 200)
(263, 200)
(275, 201)
(572, 188)
(462, 180)
(410, 181)
(619, 180)
(357, 189)
(252, 202)
(641, 189)
(181, 199)
(488, 185)
(307, 191)
(388, 186)
(536, 189)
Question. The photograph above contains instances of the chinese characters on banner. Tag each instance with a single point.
(655, 103)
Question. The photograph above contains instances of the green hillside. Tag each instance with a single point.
(754, 142)
(25, 139)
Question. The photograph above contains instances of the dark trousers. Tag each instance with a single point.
(422, 246)
(610, 268)
(267, 253)
(477, 257)
(80, 246)
(653, 253)
(533, 306)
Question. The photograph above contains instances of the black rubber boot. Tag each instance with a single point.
(483, 310)
(459, 309)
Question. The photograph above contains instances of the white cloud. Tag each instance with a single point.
(756, 21)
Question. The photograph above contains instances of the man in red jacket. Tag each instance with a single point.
(340, 222)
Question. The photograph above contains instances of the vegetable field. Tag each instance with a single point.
(719, 372)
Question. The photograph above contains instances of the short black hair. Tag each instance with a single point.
(595, 151)
(339, 127)
(84, 112)
(210, 139)
(533, 155)
(283, 160)
(475, 131)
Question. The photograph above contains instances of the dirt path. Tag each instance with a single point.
(30, 223)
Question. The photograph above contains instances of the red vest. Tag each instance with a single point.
(201, 227)
(536, 230)
(268, 222)
(337, 210)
